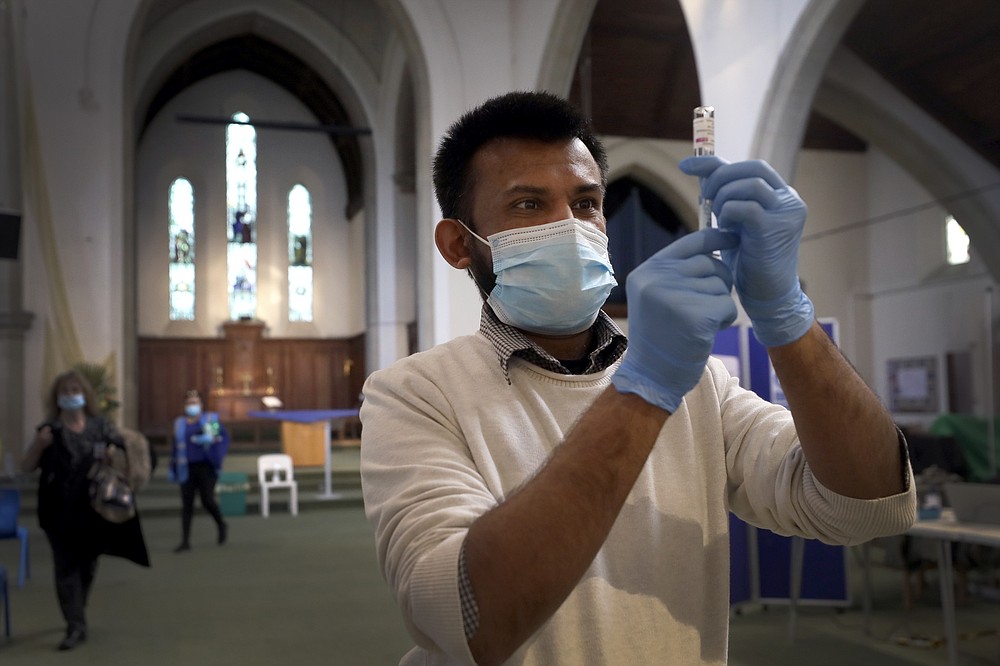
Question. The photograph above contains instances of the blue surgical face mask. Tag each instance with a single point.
(71, 402)
(193, 411)
(552, 279)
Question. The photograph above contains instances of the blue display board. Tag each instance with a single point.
(824, 571)
(742, 574)
(760, 560)
(763, 381)
(730, 348)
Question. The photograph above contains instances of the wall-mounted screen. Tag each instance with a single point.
(913, 384)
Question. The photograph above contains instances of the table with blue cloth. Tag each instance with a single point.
(319, 420)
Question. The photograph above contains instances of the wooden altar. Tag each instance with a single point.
(238, 386)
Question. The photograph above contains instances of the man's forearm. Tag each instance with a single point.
(848, 437)
(527, 555)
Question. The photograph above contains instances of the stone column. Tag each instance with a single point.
(14, 321)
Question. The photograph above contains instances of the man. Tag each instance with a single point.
(541, 496)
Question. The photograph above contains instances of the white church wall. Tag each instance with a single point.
(919, 307)
(406, 268)
(391, 240)
(893, 194)
(473, 51)
(351, 276)
(737, 46)
(833, 263)
(931, 321)
(74, 75)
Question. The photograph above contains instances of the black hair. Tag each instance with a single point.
(522, 115)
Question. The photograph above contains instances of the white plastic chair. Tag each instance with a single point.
(274, 470)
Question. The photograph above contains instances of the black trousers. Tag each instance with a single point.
(201, 479)
(75, 573)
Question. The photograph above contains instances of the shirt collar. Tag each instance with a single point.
(508, 341)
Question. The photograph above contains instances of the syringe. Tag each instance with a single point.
(704, 144)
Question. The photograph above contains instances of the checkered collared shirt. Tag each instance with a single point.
(608, 345)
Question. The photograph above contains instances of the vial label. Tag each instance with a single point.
(704, 136)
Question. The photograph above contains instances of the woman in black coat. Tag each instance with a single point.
(65, 447)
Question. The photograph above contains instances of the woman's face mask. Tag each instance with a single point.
(71, 402)
(551, 279)
(193, 411)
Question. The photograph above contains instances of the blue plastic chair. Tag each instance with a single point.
(4, 600)
(10, 507)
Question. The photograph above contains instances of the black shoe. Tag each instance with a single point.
(183, 547)
(223, 533)
(73, 638)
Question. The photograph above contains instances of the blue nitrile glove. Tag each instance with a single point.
(753, 201)
(678, 300)
(205, 439)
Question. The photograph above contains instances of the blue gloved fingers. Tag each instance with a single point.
(753, 202)
(701, 166)
(737, 171)
(678, 300)
(703, 241)
(699, 279)
(748, 189)
(752, 222)
(690, 256)
(668, 347)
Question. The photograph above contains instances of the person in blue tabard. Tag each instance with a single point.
(200, 442)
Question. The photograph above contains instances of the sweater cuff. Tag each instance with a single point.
(860, 520)
(435, 603)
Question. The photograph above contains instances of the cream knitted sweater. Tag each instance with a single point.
(445, 439)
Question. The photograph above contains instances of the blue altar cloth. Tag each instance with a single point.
(304, 415)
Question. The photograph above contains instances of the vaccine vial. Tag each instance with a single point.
(704, 144)
(704, 130)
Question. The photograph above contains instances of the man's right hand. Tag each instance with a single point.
(678, 300)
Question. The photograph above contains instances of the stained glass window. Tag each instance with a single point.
(180, 273)
(300, 271)
(241, 203)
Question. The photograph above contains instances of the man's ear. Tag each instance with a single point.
(450, 240)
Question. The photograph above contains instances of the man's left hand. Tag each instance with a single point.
(752, 200)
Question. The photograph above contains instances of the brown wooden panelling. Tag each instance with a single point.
(307, 373)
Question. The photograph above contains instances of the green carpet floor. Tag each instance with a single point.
(306, 590)
(283, 590)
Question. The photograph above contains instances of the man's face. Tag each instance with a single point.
(523, 183)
